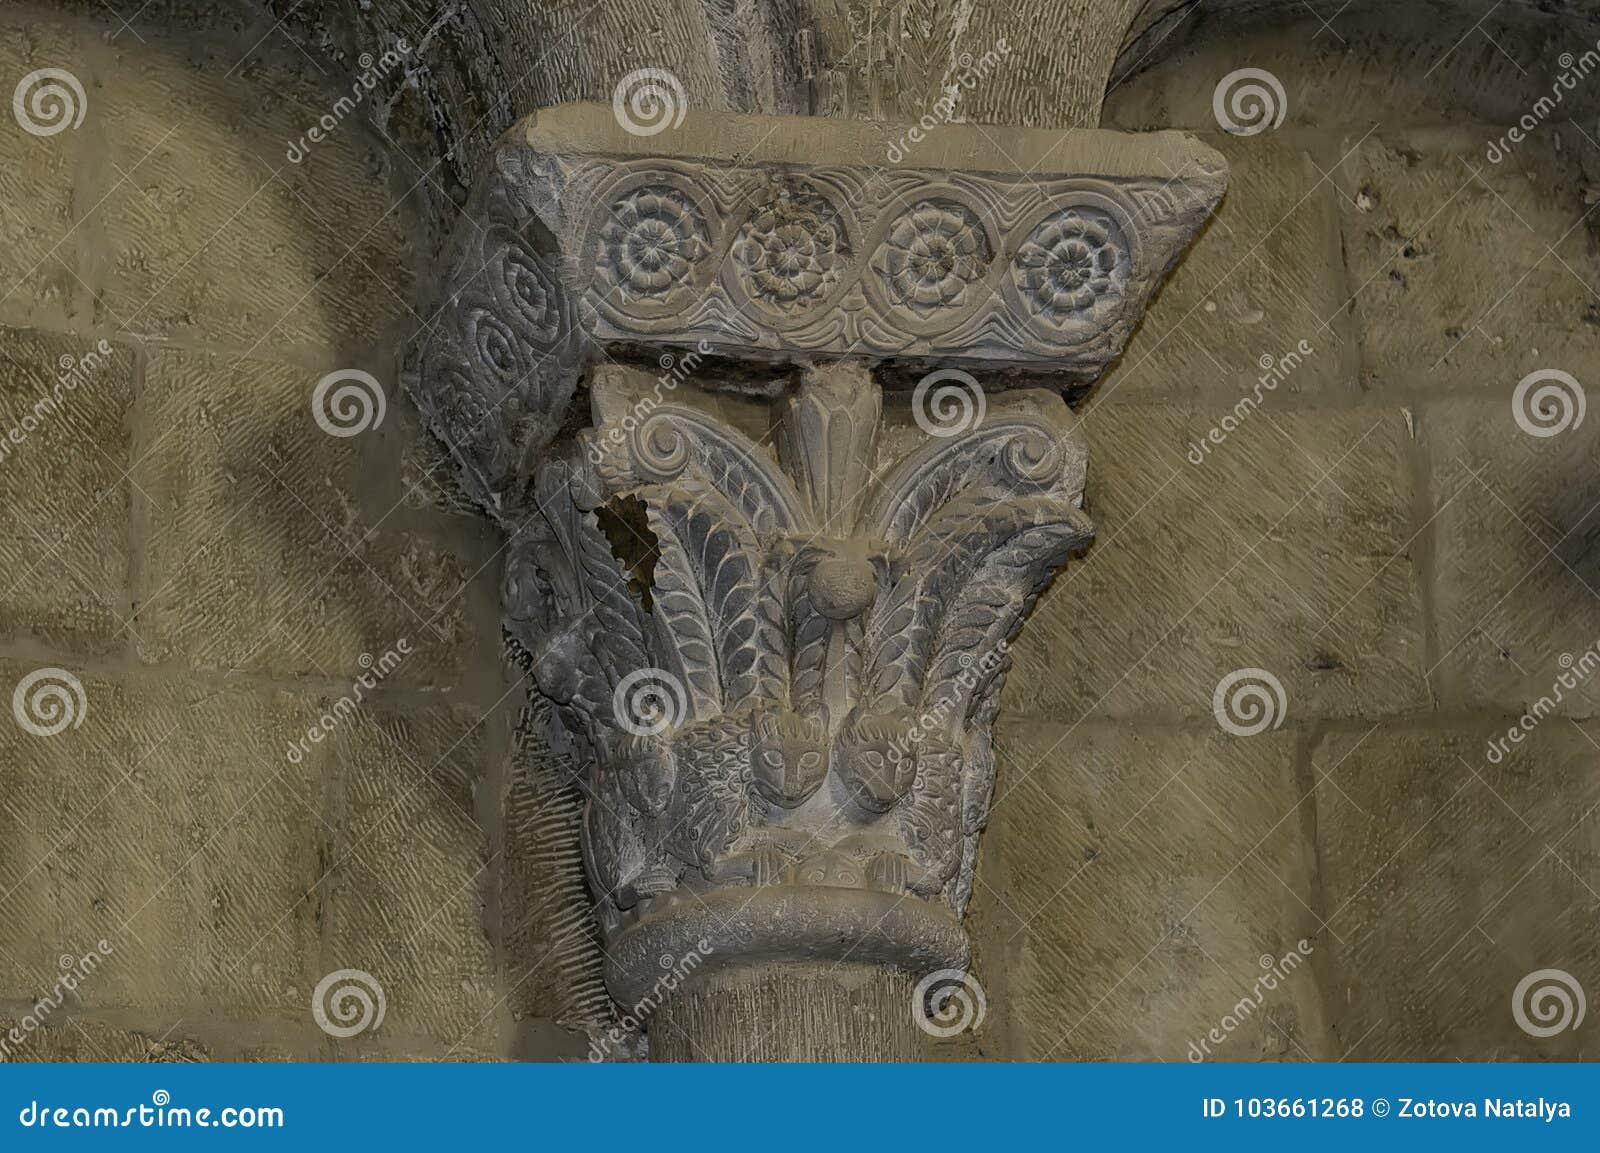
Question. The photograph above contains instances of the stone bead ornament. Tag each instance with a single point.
(774, 627)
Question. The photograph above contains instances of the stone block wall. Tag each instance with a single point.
(216, 570)
(1379, 534)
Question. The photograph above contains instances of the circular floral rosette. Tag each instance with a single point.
(651, 243)
(791, 253)
(931, 263)
(1072, 271)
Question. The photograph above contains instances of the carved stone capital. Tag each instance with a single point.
(773, 617)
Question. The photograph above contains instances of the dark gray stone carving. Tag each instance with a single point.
(780, 701)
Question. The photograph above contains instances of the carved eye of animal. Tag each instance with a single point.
(809, 760)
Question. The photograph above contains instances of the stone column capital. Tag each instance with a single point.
(770, 598)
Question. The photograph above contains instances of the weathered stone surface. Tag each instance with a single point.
(39, 240)
(68, 1037)
(1132, 881)
(211, 233)
(850, 1012)
(554, 963)
(408, 876)
(1263, 276)
(132, 828)
(1288, 548)
(1517, 567)
(64, 500)
(1372, 62)
(271, 547)
(1468, 275)
(1448, 879)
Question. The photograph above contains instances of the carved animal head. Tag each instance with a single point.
(789, 756)
(877, 760)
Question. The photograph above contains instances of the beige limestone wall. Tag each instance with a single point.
(216, 570)
(1379, 534)
(186, 540)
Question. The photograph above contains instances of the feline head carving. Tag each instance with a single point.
(789, 756)
(876, 759)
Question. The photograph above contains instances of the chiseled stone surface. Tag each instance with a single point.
(258, 518)
(1516, 561)
(850, 1013)
(38, 259)
(1448, 879)
(404, 875)
(1287, 548)
(208, 232)
(1246, 290)
(131, 828)
(172, 823)
(1376, 62)
(1132, 881)
(1472, 274)
(65, 539)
